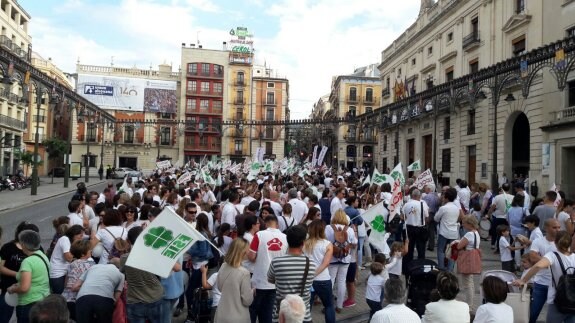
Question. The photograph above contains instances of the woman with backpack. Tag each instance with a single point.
(343, 237)
(286, 221)
(562, 264)
(108, 234)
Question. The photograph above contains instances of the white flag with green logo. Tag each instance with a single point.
(415, 166)
(376, 217)
(269, 166)
(379, 178)
(255, 168)
(162, 242)
(397, 174)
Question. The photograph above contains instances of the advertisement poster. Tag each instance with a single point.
(124, 93)
(75, 170)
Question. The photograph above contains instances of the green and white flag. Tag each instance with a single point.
(255, 168)
(397, 174)
(379, 178)
(164, 240)
(414, 167)
(367, 180)
(376, 217)
(207, 177)
(269, 166)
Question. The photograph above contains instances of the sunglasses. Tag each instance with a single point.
(192, 212)
(130, 211)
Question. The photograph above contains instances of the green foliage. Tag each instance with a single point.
(27, 159)
(55, 147)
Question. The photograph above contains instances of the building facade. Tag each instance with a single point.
(145, 105)
(351, 96)
(467, 90)
(14, 37)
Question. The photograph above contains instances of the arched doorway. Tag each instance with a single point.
(517, 146)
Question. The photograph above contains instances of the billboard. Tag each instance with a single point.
(125, 93)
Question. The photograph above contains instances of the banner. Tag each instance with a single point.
(184, 178)
(367, 180)
(397, 198)
(375, 217)
(164, 164)
(414, 167)
(379, 178)
(423, 179)
(314, 157)
(164, 241)
(321, 155)
(397, 174)
(261, 154)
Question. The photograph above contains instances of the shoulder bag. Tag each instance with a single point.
(469, 261)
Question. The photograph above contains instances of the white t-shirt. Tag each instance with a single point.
(76, 218)
(562, 217)
(229, 214)
(568, 261)
(216, 294)
(108, 241)
(246, 200)
(299, 209)
(285, 222)
(534, 235)
(394, 266)
(317, 255)
(542, 246)
(89, 212)
(494, 313)
(246, 263)
(226, 246)
(374, 287)
(412, 212)
(447, 216)
(505, 252)
(58, 263)
(502, 201)
(473, 240)
(209, 197)
(335, 205)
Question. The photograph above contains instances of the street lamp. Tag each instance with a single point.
(39, 92)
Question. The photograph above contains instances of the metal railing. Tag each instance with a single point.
(471, 39)
(12, 122)
(36, 118)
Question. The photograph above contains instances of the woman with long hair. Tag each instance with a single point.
(235, 286)
(313, 214)
(558, 261)
(319, 250)
(470, 240)
(62, 257)
(223, 240)
(252, 226)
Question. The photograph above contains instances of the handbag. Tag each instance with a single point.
(520, 303)
(469, 261)
(120, 314)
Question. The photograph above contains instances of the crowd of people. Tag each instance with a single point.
(277, 245)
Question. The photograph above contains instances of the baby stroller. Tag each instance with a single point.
(518, 298)
(202, 305)
(421, 280)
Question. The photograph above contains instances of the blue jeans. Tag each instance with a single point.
(6, 311)
(263, 305)
(360, 241)
(442, 243)
(323, 289)
(538, 299)
(373, 307)
(553, 315)
(57, 284)
(167, 307)
(142, 312)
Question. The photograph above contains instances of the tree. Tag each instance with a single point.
(55, 147)
(27, 159)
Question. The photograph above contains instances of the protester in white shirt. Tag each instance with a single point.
(299, 209)
(337, 201)
(396, 311)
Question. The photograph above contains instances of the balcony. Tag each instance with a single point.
(82, 138)
(204, 93)
(235, 152)
(385, 92)
(239, 101)
(352, 99)
(369, 100)
(237, 133)
(11, 97)
(269, 102)
(15, 49)
(205, 111)
(471, 41)
(561, 119)
(240, 82)
(36, 118)
(12, 123)
(201, 74)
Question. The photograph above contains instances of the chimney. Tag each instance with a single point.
(225, 46)
(200, 46)
(192, 45)
(183, 44)
(425, 5)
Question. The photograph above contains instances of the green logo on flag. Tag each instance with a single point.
(378, 223)
(158, 238)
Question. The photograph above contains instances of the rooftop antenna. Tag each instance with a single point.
(198, 37)
(112, 61)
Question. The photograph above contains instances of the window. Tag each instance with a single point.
(269, 132)
(216, 143)
(475, 26)
(165, 136)
(238, 146)
(165, 115)
(446, 160)
(471, 122)
(385, 144)
(193, 68)
(387, 83)
(270, 98)
(270, 114)
(474, 66)
(430, 50)
(240, 114)
(368, 109)
(271, 85)
(216, 125)
(189, 140)
(205, 87)
(204, 105)
(413, 61)
(450, 36)
(218, 70)
(217, 106)
(192, 86)
(369, 95)
(352, 93)
(395, 160)
(240, 79)
(571, 93)
(570, 32)
(447, 128)
(518, 45)
(352, 111)
(399, 72)
(205, 69)
(204, 142)
(129, 134)
(190, 105)
(384, 164)
(218, 88)
(203, 124)
(449, 74)
(269, 148)
(240, 97)
(519, 6)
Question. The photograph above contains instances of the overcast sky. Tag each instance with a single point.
(306, 41)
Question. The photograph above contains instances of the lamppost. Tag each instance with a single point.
(39, 91)
(101, 171)
(89, 114)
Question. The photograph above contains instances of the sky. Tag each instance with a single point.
(306, 41)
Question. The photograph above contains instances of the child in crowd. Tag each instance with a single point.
(374, 288)
(211, 284)
(505, 247)
(398, 250)
(82, 262)
(476, 211)
(526, 264)
(350, 278)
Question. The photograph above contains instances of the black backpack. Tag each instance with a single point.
(392, 225)
(565, 288)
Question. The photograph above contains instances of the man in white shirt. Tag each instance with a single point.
(542, 279)
(76, 215)
(274, 203)
(416, 213)
(520, 189)
(448, 217)
(499, 207)
(230, 211)
(92, 200)
(299, 209)
(464, 196)
(396, 311)
(209, 196)
(337, 201)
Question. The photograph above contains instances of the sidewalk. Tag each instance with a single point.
(17, 198)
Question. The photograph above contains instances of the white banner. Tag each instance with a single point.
(321, 155)
(314, 156)
(164, 164)
(184, 178)
(261, 152)
(423, 179)
(164, 241)
(397, 198)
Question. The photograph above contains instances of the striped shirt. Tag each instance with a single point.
(288, 272)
